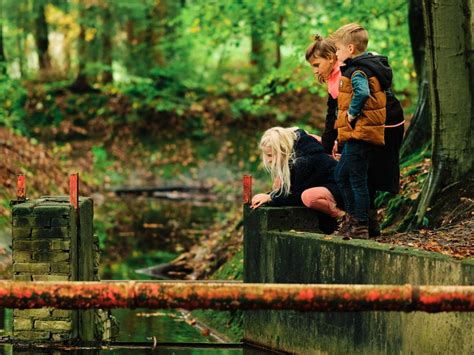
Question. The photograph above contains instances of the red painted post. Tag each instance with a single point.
(74, 190)
(247, 192)
(234, 295)
(21, 188)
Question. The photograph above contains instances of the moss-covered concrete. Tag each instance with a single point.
(50, 245)
(227, 324)
(284, 256)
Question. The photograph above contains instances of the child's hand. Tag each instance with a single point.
(335, 150)
(260, 199)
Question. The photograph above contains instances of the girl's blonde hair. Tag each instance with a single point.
(281, 141)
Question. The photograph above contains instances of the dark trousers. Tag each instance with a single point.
(351, 176)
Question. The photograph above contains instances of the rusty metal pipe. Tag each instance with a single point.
(234, 295)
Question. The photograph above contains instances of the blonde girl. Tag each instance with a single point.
(301, 172)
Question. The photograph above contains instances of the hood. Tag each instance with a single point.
(378, 65)
(306, 144)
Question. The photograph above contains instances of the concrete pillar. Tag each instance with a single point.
(54, 242)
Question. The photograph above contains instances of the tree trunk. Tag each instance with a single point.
(81, 84)
(257, 58)
(279, 41)
(107, 74)
(41, 36)
(3, 60)
(419, 131)
(448, 30)
(257, 44)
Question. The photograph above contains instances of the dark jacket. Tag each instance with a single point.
(311, 168)
(369, 124)
(384, 161)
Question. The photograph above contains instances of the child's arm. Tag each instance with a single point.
(361, 92)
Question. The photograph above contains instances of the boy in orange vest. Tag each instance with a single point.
(360, 122)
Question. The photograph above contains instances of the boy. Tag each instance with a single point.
(360, 121)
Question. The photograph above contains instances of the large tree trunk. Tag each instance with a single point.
(41, 36)
(419, 131)
(448, 30)
(3, 60)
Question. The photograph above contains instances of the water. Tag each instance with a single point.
(148, 232)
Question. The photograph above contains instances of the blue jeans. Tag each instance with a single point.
(351, 177)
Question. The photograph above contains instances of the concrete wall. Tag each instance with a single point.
(275, 251)
(49, 245)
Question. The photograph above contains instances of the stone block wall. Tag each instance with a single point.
(279, 248)
(50, 245)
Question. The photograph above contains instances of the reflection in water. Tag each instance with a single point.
(143, 232)
(136, 233)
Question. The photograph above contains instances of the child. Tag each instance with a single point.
(321, 55)
(384, 171)
(362, 100)
(302, 173)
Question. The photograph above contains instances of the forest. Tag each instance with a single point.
(166, 93)
(162, 92)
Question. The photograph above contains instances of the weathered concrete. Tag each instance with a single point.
(50, 245)
(273, 253)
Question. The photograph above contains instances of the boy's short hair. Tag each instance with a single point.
(352, 33)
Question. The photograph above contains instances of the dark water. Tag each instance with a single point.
(147, 232)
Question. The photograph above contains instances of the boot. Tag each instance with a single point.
(345, 223)
(374, 226)
(359, 230)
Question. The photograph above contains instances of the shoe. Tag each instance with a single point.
(374, 226)
(327, 224)
(345, 222)
(359, 230)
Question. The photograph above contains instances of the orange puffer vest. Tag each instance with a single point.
(370, 123)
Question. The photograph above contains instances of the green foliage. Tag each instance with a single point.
(12, 100)
(167, 55)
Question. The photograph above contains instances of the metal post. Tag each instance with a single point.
(21, 188)
(74, 190)
(247, 189)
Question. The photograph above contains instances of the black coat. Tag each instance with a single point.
(311, 168)
(384, 161)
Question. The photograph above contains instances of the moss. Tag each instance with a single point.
(400, 208)
(226, 323)
(424, 152)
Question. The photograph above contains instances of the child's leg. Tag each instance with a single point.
(341, 175)
(358, 167)
(321, 199)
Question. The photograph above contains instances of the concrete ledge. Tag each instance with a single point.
(281, 256)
